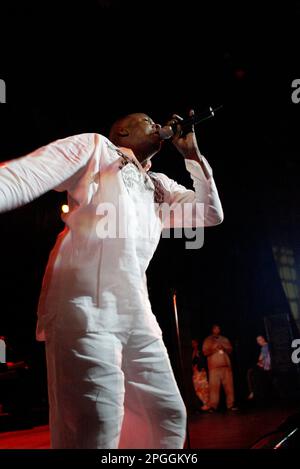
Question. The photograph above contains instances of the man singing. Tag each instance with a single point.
(104, 347)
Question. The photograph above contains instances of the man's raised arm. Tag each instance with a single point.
(24, 179)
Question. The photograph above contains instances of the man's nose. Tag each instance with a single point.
(157, 126)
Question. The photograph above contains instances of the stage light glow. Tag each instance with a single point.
(65, 208)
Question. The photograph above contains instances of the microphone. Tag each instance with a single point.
(169, 130)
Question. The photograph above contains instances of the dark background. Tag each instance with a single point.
(75, 67)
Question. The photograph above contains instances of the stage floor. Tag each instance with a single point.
(222, 430)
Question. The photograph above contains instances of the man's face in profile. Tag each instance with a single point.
(260, 340)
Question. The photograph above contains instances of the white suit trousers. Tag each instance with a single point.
(93, 378)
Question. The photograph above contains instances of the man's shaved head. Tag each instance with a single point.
(119, 128)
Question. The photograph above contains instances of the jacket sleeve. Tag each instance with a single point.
(227, 345)
(194, 208)
(207, 347)
(49, 167)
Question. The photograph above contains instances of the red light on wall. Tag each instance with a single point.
(240, 73)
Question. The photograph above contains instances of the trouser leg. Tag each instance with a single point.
(86, 390)
(227, 381)
(151, 391)
(250, 380)
(214, 387)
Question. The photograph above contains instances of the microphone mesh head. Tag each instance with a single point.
(166, 132)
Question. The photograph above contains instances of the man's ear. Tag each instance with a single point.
(123, 132)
